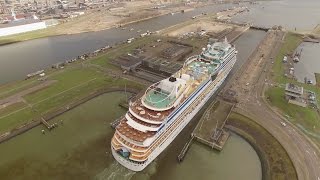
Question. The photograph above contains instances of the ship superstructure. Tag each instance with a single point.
(155, 119)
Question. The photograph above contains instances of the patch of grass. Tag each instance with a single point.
(276, 163)
(104, 60)
(12, 88)
(13, 120)
(11, 108)
(307, 117)
(66, 80)
(317, 75)
(73, 83)
(292, 41)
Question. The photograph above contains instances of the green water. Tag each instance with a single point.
(238, 160)
(74, 150)
(80, 149)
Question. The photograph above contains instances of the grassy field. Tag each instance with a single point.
(276, 163)
(77, 149)
(104, 60)
(317, 79)
(12, 88)
(73, 83)
(292, 41)
(308, 117)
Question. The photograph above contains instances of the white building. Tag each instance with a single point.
(21, 27)
(18, 26)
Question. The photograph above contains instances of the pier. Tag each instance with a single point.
(209, 130)
(124, 104)
(185, 150)
(48, 126)
(115, 123)
(261, 28)
(245, 24)
(312, 40)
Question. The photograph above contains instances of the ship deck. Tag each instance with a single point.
(157, 116)
(201, 67)
(142, 122)
(132, 133)
(158, 99)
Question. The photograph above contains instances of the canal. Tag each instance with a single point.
(309, 62)
(19, 59)
(80, 149)
(291, 14)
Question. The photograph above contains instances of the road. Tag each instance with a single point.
(250, 83)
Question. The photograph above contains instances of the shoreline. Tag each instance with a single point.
(265, 174)
(102, 29)
(50, 115)
(271, 167)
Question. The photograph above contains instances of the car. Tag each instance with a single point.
(283, 124)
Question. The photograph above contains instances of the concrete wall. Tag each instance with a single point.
(22, 28)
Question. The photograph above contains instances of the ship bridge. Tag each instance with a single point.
(216, 51)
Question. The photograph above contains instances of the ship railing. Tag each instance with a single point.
(184, 114)
(190, 59)
(154, 89)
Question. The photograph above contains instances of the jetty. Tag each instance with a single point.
(184, 150)
(312, 40)
(261, 28)
(209, 130)
(124, 105)
(45, 123)
(115, 123)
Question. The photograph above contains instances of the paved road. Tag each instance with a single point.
(250, 85)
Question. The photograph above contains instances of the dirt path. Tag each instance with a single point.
(18, 97)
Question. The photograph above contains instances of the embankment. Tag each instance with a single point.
(24, 128)
(275, 162)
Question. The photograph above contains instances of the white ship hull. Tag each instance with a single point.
(214, 86)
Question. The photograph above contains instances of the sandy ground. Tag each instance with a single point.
(105, 18)
(198, 26)
(227, 15)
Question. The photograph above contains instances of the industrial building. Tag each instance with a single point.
(294, 95)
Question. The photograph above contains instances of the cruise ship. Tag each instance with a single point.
(159, 115)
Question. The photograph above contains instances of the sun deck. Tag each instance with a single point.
(195, 68)
(142, 122)
(131, 133)
(117, 145)
(150, 115)
(158, 98)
